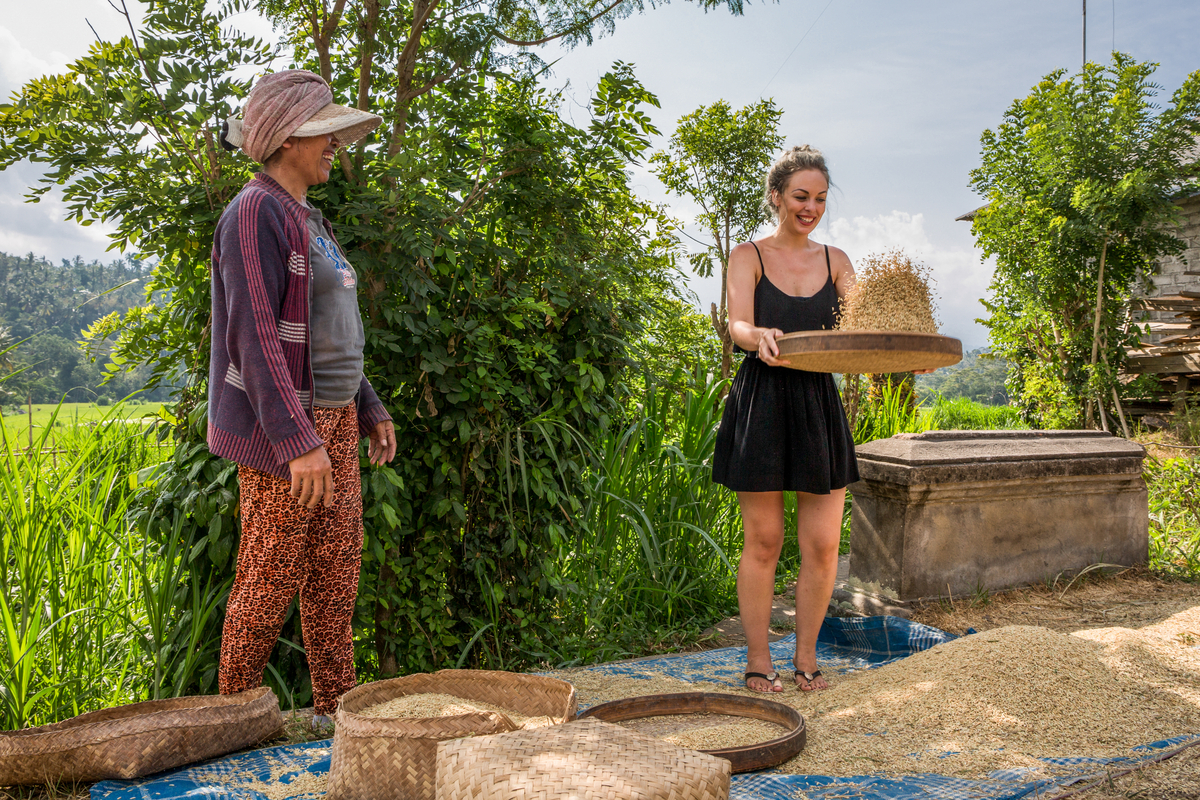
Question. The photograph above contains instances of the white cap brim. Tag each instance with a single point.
(349, 124)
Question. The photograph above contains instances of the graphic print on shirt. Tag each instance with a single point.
(334, 255)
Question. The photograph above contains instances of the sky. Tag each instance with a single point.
(895, 94)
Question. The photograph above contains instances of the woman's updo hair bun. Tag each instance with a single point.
(795, 160)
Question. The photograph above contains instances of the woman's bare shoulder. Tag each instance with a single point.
(839, 261)
(744, 256)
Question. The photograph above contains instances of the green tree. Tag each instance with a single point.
(717, 157)
(1080, 179)
(505, 268)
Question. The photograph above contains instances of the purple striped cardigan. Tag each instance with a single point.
(259, 378)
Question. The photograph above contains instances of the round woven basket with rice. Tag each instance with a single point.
(139, 739)
(381, 758)
(887, 325)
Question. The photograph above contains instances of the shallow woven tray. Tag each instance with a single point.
(867, 351)
(745, 758)
(139, 739)
(582, 760)
(377, 758)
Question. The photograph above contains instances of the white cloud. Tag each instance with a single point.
(18, 64)
(960, 278)
(41, 228)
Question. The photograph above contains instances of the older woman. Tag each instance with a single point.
(288, 400)
(782, 429)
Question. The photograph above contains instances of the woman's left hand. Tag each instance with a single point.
(382, 445)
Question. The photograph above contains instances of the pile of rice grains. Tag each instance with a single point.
(891, 293)
(1000, 699)
(287, 776)
(431, 705)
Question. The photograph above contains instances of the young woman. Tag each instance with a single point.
(782, 429)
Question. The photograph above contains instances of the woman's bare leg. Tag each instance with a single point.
(819, 529)
(762, 520)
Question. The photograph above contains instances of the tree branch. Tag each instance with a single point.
(137, 48)
(406, 66)
(574, 29)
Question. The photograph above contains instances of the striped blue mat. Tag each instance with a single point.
(844, 645)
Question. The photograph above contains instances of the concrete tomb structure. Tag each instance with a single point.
(955, 512)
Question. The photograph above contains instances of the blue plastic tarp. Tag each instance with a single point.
(844, 645)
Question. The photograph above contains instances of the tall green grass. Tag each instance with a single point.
(656, 533)
(1174, 497)
(888, 414)
(86, 604)
(964, 414)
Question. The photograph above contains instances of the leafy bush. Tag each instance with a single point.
(1174, 497)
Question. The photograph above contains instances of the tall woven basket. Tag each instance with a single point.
(379, 758)
(139, 739)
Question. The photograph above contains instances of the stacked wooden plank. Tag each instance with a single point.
(1177, 352)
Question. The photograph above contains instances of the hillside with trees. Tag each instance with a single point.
(46, 310)
(979, 376)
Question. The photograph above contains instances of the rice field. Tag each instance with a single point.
(16, 420)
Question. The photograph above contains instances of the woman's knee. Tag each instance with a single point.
(821, 553)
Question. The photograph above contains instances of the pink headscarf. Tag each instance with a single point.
(280, 103)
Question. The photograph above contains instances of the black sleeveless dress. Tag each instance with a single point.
(784, 429)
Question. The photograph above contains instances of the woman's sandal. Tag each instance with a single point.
(772, 678)
(808, 677)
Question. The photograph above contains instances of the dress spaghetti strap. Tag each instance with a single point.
(762, 268)
(828, 269)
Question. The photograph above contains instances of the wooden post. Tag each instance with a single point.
(1182, 385)
(1121, 413)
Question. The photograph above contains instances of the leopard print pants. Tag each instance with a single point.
(286, 548)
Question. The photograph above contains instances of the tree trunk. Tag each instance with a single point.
(720, 323)
(1096, 325)
(383, 621)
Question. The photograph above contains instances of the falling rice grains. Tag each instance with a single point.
(891, 293)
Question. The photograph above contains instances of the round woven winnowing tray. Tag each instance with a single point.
(746, 758)
(867, 351)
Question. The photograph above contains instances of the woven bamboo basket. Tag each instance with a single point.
(742, 758)
(867, 351)
(583, 760)
(376, 758)
(139, 739)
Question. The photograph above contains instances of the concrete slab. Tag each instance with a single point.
(952, 513)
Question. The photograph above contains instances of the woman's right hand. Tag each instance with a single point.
(312, 478)
(768, 349)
